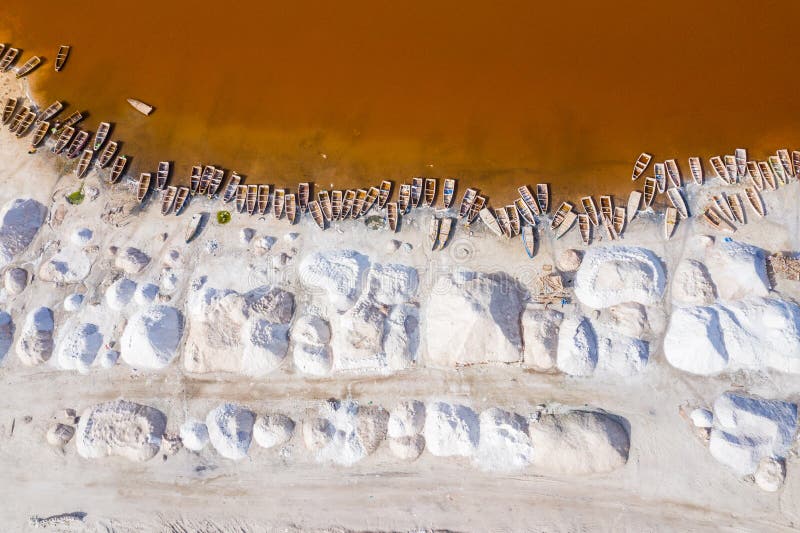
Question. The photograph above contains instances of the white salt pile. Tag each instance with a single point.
(131, 260)
(120, 428)
(73, 302)
(344, 433)
(78, 348)
(273, 430)
(194, 435)
(738, 269)
(15, 280)
(392, 284)
(311, 354)
(451, 429)
(82, 236)
(70, 265)
(230, 430)
(6, 334)
(621, 355)
(146, 293)
(120, 293)
(746, 430)
(35, 344)
(770, 474)
(21, 220)
(692, 284)
(577, 347)
(338, 274)
(701, 418)
(151, 337)
(504, 442)
(540, 328)
(405, 427)
(108, 358)
(474, 318)
(401, 336)
(616, 274)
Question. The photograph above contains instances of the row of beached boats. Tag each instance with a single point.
(9, 56)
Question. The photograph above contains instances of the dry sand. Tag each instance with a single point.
(336, 379)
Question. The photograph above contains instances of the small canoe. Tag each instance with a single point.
(769, 177)
(640, 165)
(143, 186)
(619, 220)
(670, 221)
(585, 227)
(216, 181)
(29, 66)
(430, 192)
(108, 153)
(513, 219)
(732, 168)
(291, 207)
(448, 192)
(263, 199)
(347, 203)
(527, 197)
(83, 163)
(180, 199)
(63, 139)
(525, 211)
(466, 201)
(505, 223)
(25, 124)
(433, 231)
(336, 204)
(324, 200)
(369, 201)
(673, 173)
(444, 231)
(277, 204)
(193, 226)
(162, 175)
(316, 213)
(252, 198)
(777, 169)
(77, 144)
(543, 197)
(73, 119)
(8, 109)
(755, 200)
(529, 241)
(40, 132)
(740, 156)
(241, 198)
(713, 218)
(561, 212)
(590, 209)
(205, 179)
(722, 206)
(168, 200)
(719, 168)
(8, 59)
(676, 199)
(606, 207)
(416, 191)
(475, 209)
(358, 203)
(488, 217)
(405, 197)
(755, 175)
(610, 231)
(194, 179)
(2, 49)
(102, 134)
(566, 225)
(51, 111)
(117, 168)
(796, 162)
(661, 177)
(17, 120)
(634, 201)
(735, 203)
(385, 193)
(61, 57)
(303, 194)
(392, 214)
(141, 107)
(231, 188)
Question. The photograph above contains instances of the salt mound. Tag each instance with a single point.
(622, 355)
(313, 360)
(15, 280)
(73, 302)
(151, 337)
(230, 429)
(701, 418)
(131, 260)
(540, 337)
(693, 341)
(120, 293)
(392, 284)
(273, 430)
(407, 448)
(338, 273)
(78, 348)
(121, 428)
(344, 433)
(35, 345)
(569, 260)
(451, 429)
(264, 346)
(578, 442)
(21, 220)
(616, 274)
(407, 419)
(401, 336)
(69, 265)
(738, 269)
(311, 329)
(628, 319)
(6, 334)
(194, 435)
(746, 430)
(359, 338)
(146, 293)
(770, 474)
(577, 347)
(474, 318)
(108, 359)
(271, 303)
(82, 236)
(504, 443)
(692, 284)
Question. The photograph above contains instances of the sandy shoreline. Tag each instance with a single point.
(240, 341)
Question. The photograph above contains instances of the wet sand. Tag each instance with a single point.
(497, 96)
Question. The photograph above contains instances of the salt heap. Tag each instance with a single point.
(78, 347)
(121, 428)
(131, 260)
(746, 430)
(339, 274)
(692, 284)
(273, 430)
(120, 293)
(451, 429)
(311, 354)
(612, 275)
(577, 347)
(405, 427)
(15, 280)
(194, 435)
(738, 269)
(151, 337)
(504, 443)
(69, 265)
(474, 318)
(73, 302)
(35, 344)
(343, 433)
(21, 220)
(540, 328)
(230, 430)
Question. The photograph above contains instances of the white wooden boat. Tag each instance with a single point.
(416, 191)
(61, 57)
(193, 226)
(39, 133)
(769, 177)
(777, 169)
(316, 213)
(205, 179)
(29, 66)
(385, 193)
(673, 173)
(634, 201)
(786, 162)
(561, 212)
(141, 107)
(252, 198)
(720, 169)
(17, 120)
(466, 202)
(8, 109)
(51, 110)
(590, 209)
(162, 175)
(796, 162)
(430, 192)
(433, 231)
(529, 240)
(513, 219)
(722, 206)
(585, 227)
(107, 154)
(168, 200)
(83, 163)
(713, 218)
(732, 167)
(488, 217)
(606, 207)
(8, 59)
(448, 192)
(25, 124)
(641, 165)
(303, 195)
(180, 199)
(502, 219)
(566, 224)
(291, 207)
(277, 203)
(392, 214)
(755, 201)
(358, 203)
(194, 179)
(63, 139)
(740, 156)
(73, 119)
(475, 209)
(241, 198)
(670, 221)
(143, 186)
(619, 220)
(263, 199)
(230, 190)
(117, 168)
(77, 144)
(369, 201)
(755, 175)
(735, 203)
(348, 202)
(661, 177)
(678, 202)
(543, 197)
(336, 204)
(324, 200)
(525, 211)
(530, 201)
(444, 232)
(610, 231)
(216, 181)
(405, 197)
(102, 134)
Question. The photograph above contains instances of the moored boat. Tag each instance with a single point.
(17, 120)
(673, 173)
(502, 219)
(719, 168)
(676, 199)
(405, 197)
(755, 175)
(475, 208)
(530, 201)
(291, 207)
(619, 220)
(513, 219)
(241, 198)
(732, 168)
(143, 186)
(610, 231)
(141, 107)
(416, 191)
(316, 213)
(634, 200)
(488, 217)
(61, 57)
(640, 165)
(561, 212)
(713, 218)
(786, 162)
(369, 201)
(670, 221)
(740, 156)
(661, 177)
(73, 119)
(233, 186)
(63, 139)
(529, 241)
(543, 197)
(525, 212)
(755, 201)
(252, 198)
(117, 168)
(162, 175)
(735, 203)
(263, 199)
(205, 179)
(569, 220)
(194, 179)
(277, 203)
(433, 231)
(348, 202)
(8, 59)
(385, 193)
(168, 200)
(769, 177)
(466, 202)
(448, 192)
(585, 227)
(77, 144)
(358, 203)
(392, 214)
(180, 199)
(606, 208)
(430, 192)
(193, 226)
(25, 124)
(303, 194)
(336, 204)
(696, 169)
(8, 109)
(722, 206)
(108, 153)
(796, 162)
(444, 231)
(83, 163)
(216, 181)
(102, 134)
(51, 110)
(39, 132)
(590, 209)
(324, 200)
(777, 168)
